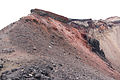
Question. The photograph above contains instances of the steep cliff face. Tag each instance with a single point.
(47, 46)
(109, 39)
(110, 44)
(103, 36)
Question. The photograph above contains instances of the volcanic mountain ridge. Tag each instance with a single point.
(48, 46)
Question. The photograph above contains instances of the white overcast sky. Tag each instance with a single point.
(12, 10)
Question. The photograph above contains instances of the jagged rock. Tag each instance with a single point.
(50, 14)
(8, 50)
(1, 66)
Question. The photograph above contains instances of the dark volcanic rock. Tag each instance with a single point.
(1, 66)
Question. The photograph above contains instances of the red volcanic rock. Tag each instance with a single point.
(50, 14)
(47, 46)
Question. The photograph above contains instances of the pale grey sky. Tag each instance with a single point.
(12, 10)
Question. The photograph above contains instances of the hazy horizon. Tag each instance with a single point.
(12, 10)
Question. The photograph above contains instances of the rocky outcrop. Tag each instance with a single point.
(50, 14)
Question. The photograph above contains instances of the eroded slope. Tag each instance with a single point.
(46, 46)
